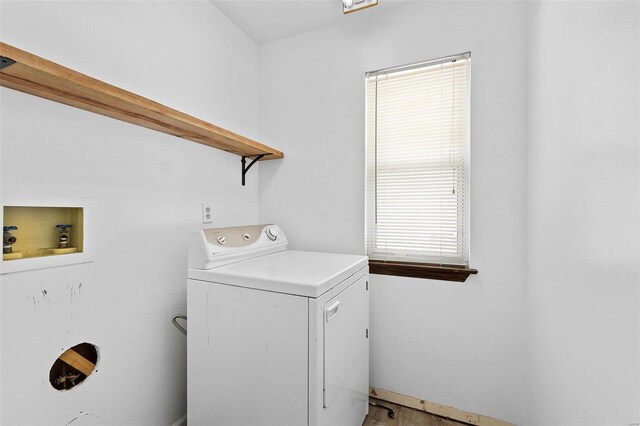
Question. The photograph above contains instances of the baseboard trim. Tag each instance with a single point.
(182, 420)
(437, 409)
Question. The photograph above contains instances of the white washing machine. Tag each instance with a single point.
(276, 336)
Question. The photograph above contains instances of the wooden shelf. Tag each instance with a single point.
(36, 76)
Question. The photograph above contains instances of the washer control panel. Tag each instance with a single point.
(215, 247)
(241, 236)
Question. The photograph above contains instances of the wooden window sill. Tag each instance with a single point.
(421, 270)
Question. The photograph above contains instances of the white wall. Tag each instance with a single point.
(583, 215)
(451, 343)
(148, 187)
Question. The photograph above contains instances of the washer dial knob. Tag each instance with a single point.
(221, 240)
(270, 234)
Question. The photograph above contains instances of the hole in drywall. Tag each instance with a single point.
(73, 366)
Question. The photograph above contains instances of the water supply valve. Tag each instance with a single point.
(8, 240)
(64, 237)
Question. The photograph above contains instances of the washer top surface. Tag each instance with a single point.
(301, 273)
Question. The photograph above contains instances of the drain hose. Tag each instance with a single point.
(177, 324)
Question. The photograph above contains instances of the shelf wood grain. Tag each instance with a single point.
(40, 77)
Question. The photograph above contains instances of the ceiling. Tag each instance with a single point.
(269, 20)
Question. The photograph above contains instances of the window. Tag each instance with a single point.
(417, 199)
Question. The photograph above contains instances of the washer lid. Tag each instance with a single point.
(300, 273)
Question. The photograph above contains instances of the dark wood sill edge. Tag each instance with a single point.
(421, 270)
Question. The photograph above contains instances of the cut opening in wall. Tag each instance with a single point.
(73, 366)
(30, 232)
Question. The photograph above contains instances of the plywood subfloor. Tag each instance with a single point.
(404, 417)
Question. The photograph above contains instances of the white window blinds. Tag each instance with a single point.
(417, 172)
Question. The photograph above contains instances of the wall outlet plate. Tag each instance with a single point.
(207, 213)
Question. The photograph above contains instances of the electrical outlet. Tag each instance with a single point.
(207, 213)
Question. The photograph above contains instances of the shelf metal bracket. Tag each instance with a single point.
(246, 168)
(5, 62)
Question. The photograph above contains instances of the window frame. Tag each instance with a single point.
(457, 270)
